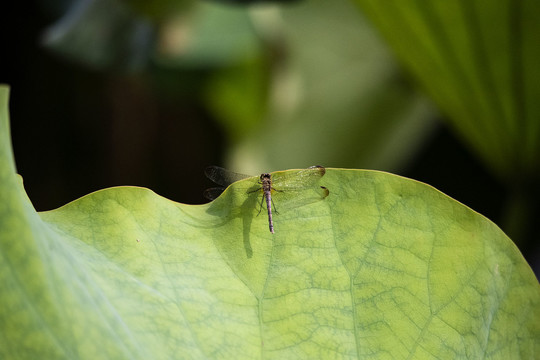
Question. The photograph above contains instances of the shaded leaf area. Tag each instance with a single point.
(384, 267)
(478, 60)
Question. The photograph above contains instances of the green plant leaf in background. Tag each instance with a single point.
(479, 62)
(384, 267)
(335, 95)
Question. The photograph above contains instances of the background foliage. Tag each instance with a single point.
(110, 92)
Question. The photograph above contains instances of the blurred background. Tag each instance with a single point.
(149, 93)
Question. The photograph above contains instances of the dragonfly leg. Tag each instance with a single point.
(274, 206)
(261, 205)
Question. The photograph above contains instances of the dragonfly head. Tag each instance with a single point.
(265, 176)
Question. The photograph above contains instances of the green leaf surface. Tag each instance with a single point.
(384, 267)
(479, 61)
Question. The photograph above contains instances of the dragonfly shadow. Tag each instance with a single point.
(236, 204)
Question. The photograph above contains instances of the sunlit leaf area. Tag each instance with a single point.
(303, 179)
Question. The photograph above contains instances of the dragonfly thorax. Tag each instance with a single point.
(266, 181)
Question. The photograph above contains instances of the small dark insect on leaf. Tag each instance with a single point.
(287, 182)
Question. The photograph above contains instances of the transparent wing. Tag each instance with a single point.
(298, 188)
(213, 193)
(223, 176)
(298, 180)
(287, 200)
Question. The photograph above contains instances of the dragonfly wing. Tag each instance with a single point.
(213, 193)
(223, 176)
(288, 200)
(298, 180)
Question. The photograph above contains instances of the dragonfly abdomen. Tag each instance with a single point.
(266, 182)
(268, 197)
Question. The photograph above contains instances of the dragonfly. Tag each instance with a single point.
(291, 182)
